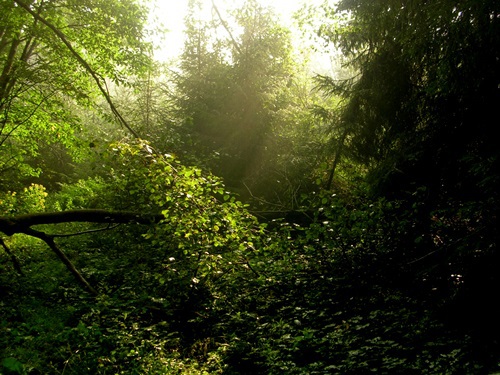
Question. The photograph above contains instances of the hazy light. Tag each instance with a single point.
(170, 15)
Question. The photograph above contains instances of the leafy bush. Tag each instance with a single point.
(89, 193)
(30, 199)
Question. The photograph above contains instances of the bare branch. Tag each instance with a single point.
(108, 227)
(235, 43)
(69, 265)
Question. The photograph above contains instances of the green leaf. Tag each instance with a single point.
(13, 365)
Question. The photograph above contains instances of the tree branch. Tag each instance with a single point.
(109, 227)
(23, 223)
(235, 43)
(13, 258)
(50, 242)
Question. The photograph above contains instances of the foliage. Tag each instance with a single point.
(205, 237)
(207, 291)
(300, 300)
(318, 306)
(30, 199)
(427, 76)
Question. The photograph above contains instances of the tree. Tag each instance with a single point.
(262, 70)
(421, 116)
(229, 84)
(427, 76)
(57, 54)
(245, 103)
(201, 88)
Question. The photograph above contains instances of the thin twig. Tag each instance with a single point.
(109, 227)
(224, 24)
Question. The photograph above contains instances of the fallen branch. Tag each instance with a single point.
(49, 240)
(109, 227)
(22, 224)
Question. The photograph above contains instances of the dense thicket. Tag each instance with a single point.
(367, 240)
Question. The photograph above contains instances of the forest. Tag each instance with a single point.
(235, 210)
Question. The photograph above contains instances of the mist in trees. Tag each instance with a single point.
(235, 211)
(244, 100)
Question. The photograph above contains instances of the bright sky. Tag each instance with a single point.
(171, 14)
